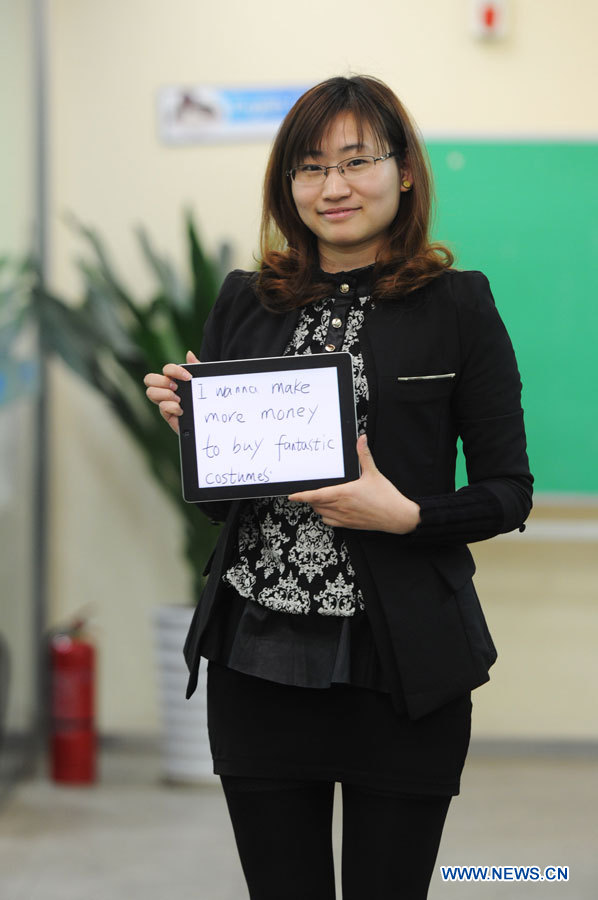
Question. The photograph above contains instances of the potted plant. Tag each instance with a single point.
(111, 339)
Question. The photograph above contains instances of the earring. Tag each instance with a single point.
(406, 184)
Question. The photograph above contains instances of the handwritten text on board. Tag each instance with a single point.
(267, 427)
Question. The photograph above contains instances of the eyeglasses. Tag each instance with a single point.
(355, 167)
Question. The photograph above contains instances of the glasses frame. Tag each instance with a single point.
(291, 172)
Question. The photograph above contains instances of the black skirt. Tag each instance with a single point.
(263, 729)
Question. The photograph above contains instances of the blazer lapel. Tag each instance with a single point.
(272, 340)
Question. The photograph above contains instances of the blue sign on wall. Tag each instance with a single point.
(206, 114)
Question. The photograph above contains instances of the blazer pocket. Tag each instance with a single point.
(455, 564)
(420, 388)
(443, 377)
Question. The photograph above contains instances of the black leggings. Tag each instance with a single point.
(283, 830)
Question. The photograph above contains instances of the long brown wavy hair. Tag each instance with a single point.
(289, 274)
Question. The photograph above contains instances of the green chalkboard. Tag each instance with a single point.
(526, 214)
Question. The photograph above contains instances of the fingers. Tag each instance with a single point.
(173, 407)
(322, 496)
(170, 412)
(366, 460)
(173, 370)
(161, 389)
(170, 418)
(301, 497)
(157, 395)
(153, 379)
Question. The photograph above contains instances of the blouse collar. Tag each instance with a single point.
(359, 280)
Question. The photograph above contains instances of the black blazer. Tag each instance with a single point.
(425, 616)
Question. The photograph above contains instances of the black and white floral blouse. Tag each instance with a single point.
(288, 559)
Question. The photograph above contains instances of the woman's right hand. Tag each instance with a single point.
(162, 390)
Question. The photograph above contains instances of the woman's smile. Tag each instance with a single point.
(339, 214)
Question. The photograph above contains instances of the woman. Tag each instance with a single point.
(342, 627)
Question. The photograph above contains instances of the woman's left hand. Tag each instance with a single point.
(372, 502)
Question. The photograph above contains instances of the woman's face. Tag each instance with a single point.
(349, 217)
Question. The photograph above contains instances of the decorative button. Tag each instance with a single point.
(344, 288)
(336, 322)
(329, 348)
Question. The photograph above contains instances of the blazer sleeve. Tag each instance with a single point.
(216, 329)
(489, 419)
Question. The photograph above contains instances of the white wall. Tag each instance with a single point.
(113, 540)
(17, 120)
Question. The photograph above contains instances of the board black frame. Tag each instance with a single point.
(341, 361)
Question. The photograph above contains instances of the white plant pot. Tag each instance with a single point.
(186, 755)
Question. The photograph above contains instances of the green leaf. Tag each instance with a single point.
(170, 283)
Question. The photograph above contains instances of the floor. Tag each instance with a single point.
(131, 836)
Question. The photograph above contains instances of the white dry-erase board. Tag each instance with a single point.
(267, 427)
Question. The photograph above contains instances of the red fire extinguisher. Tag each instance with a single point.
(72, 707)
